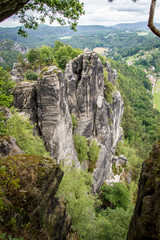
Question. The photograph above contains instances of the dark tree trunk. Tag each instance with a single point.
(10, 7)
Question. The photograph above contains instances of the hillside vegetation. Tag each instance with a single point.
(105, 215)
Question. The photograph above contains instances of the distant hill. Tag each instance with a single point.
(118, 38)
(134, 26)
(48, 34)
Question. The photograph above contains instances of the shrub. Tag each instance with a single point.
(30, 75)
(80, 144)
(74, 121)
(108, 86)
(6, 86)
(117, 195)
(76, 187)
(21, 129)
(94, 151)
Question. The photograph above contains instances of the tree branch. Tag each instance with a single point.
(150, 20)
(10, 7)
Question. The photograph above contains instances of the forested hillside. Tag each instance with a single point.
(10, 52)
(107, 213)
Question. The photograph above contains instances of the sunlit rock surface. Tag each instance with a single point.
(79, 91)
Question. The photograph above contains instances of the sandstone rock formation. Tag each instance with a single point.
(8, 146)
(80, 91)
(25, 99)
(17, 73)
(145, 222)
(96, 117)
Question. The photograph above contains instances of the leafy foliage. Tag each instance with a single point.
(8, 53)
(30, 75)
(21, 129)
(59, 55)
(85, 151)
(140, 121)
(6, 86)
(81, 146)
(61, 11)
(113, 224)
(81, 204)
(74, 121)
(76, 188)
(133, 158)
(94, 151)
(117, 195)
(64, 53)
(108, 87)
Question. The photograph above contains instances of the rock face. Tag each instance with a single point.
(79, 91)
(96, 118)
(54, 119)
(17, 73)
(29, 184)
(25, 99)
(8, 146)
(20, 48)
(145, 223)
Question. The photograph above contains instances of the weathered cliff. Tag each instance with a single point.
(145, 222)
(79, 91)
(96, 118)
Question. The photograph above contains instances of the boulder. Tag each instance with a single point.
(145, 223)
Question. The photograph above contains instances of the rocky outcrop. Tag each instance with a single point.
(8, 146)
(20, 48)
(54, 119)
(17, 73)
(96, 117)
(145, 223)
(29, 207)
(80, 91)
(1, 59)
(25, 99)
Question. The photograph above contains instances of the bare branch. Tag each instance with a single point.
(150, 20)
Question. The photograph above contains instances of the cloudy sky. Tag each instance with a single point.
(101, 12)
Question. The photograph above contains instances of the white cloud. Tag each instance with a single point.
(101, 12)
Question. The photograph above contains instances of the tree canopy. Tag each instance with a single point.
(62, 11)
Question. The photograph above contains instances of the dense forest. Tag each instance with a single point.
(107, 214)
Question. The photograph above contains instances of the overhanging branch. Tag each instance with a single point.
(10, 7)
(151, 17)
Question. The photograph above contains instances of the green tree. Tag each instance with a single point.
(76, 188)
(30, 75)
(57, 45)
(81, 146)
(6, 86)
(21, 60)
(21, 129)
(94, 151)
(62, 11)
(33, 55)
(117, 195)
(112, 224)
(46, 54)
(64, 53)
(74, 121)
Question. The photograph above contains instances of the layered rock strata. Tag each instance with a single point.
(79, 91)
(96, 118)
